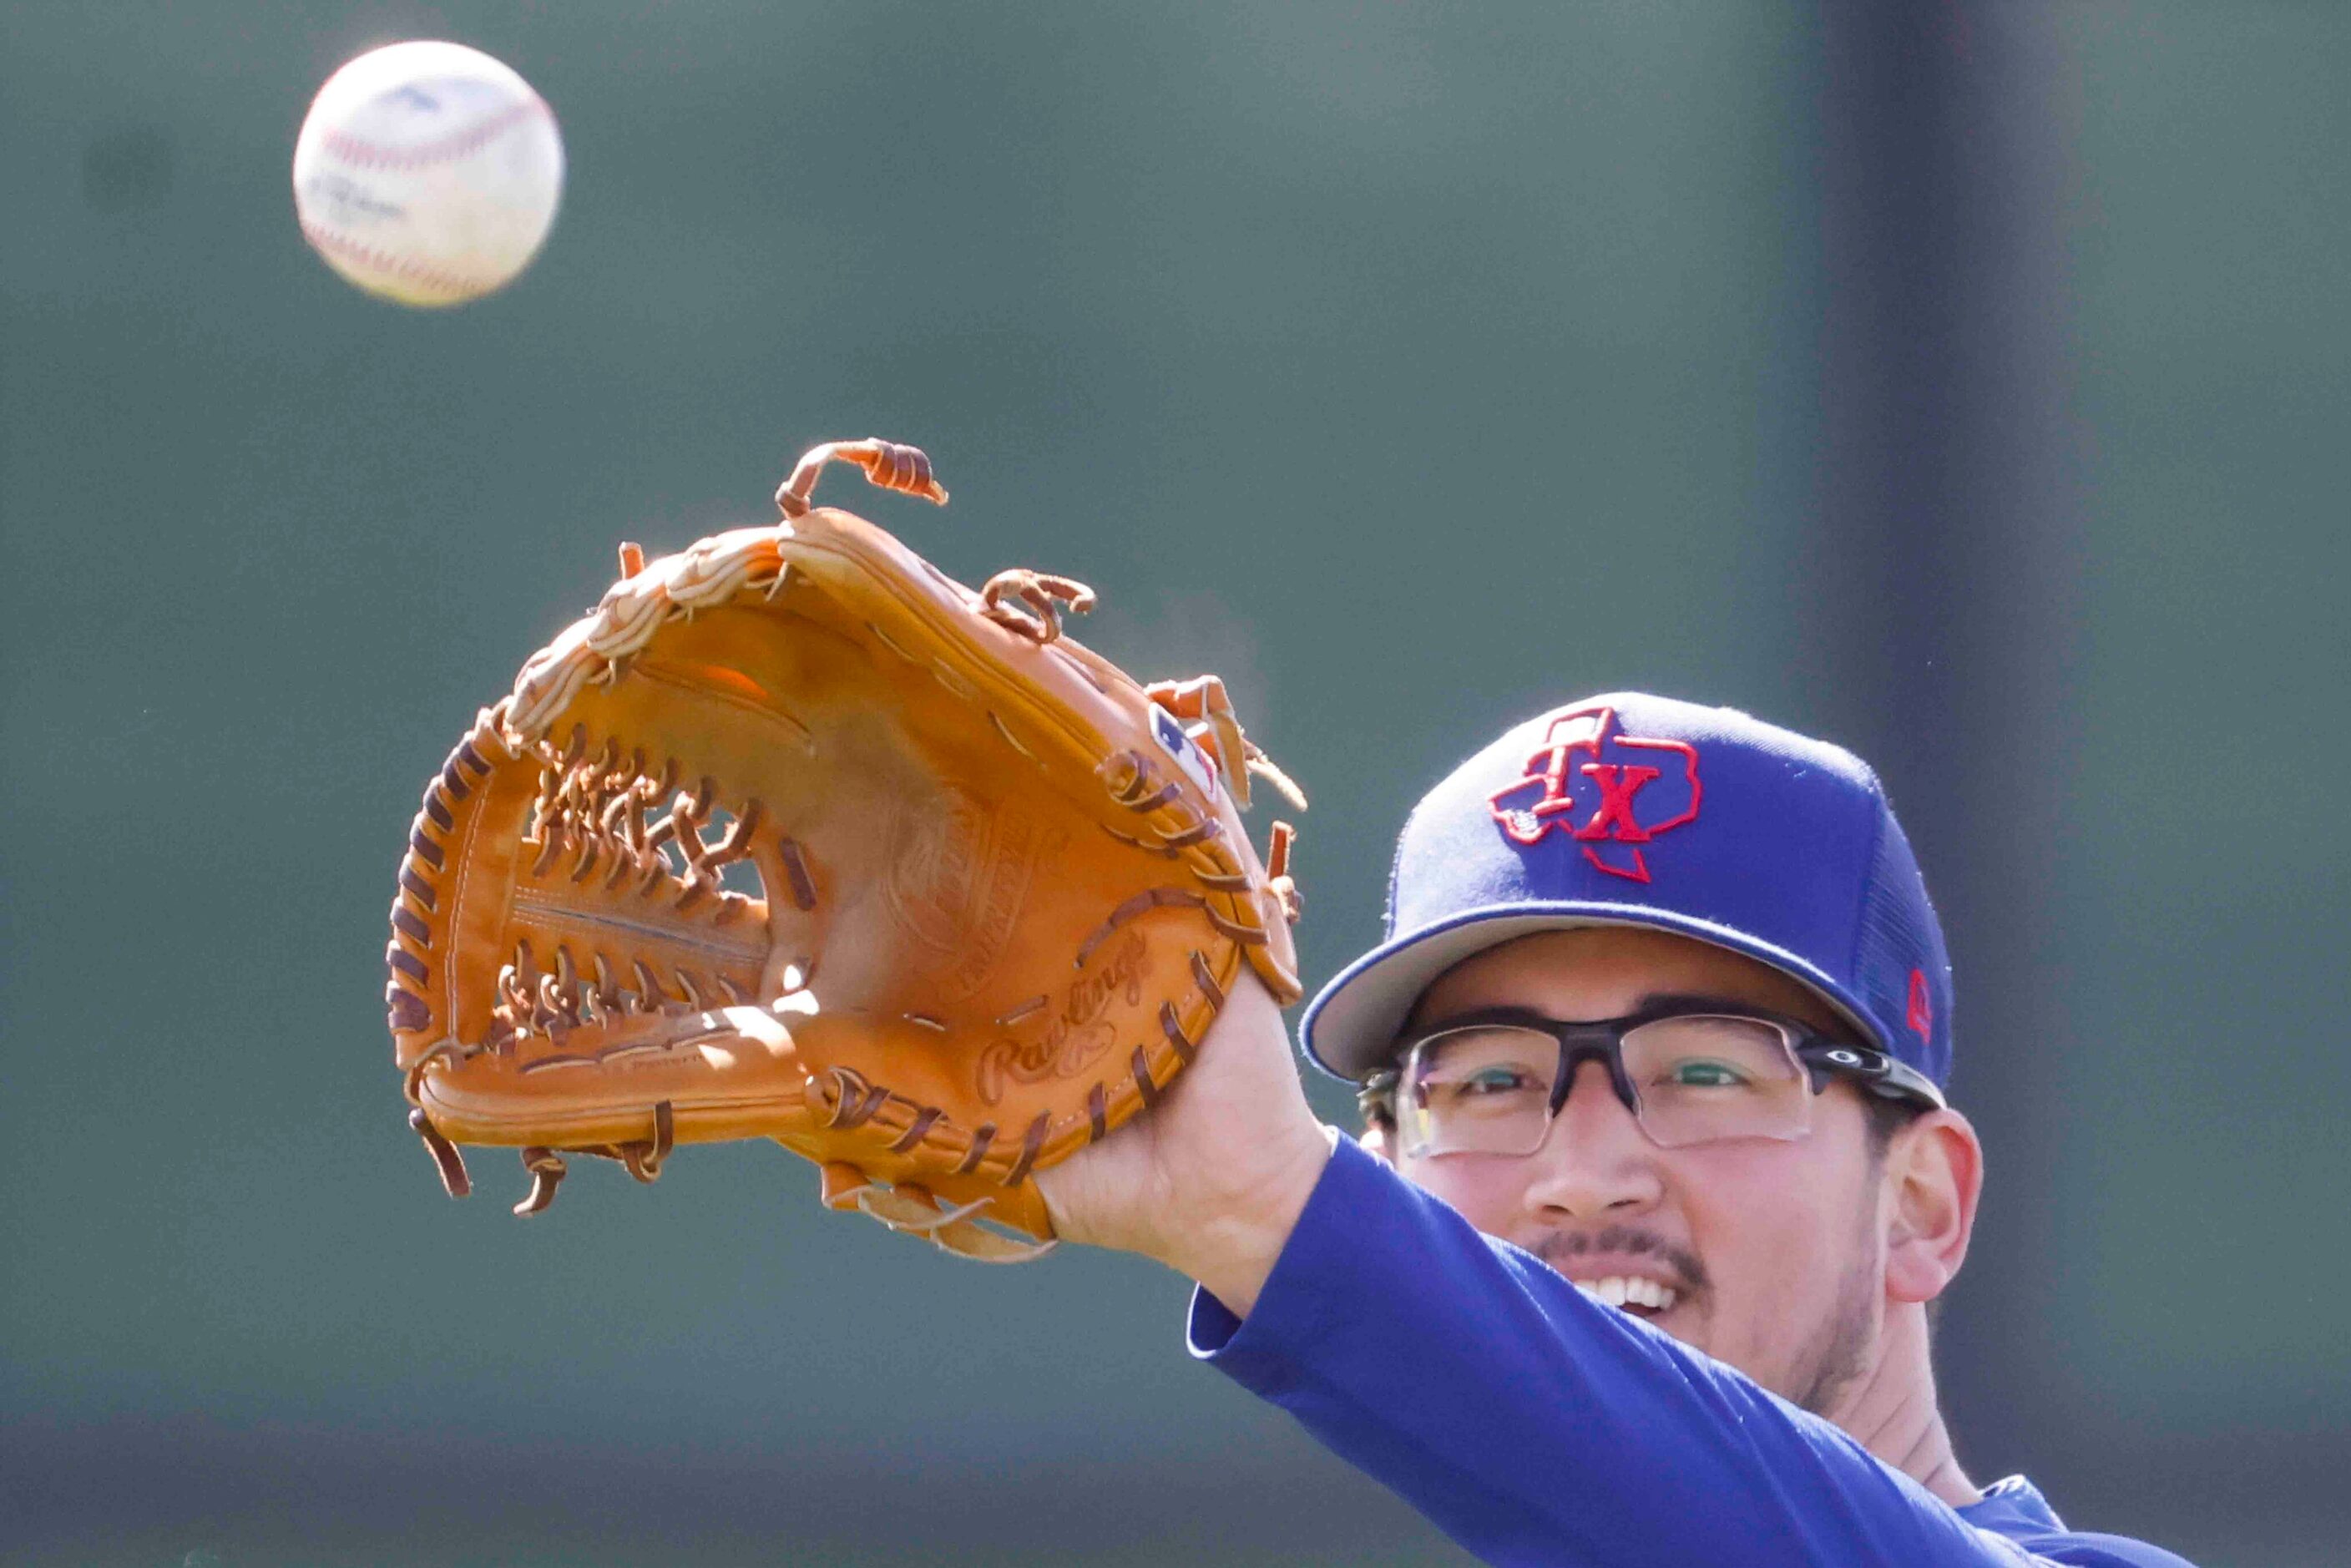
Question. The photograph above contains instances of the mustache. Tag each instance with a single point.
(1560, 1246)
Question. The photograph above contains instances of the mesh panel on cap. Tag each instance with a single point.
(1898, 936)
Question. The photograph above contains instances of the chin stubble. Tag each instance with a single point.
(1837, 1355)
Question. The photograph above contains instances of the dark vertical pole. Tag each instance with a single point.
(1944, 606)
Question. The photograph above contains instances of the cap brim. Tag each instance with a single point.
(1350, 1028)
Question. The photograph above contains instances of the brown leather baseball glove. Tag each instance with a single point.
(795, 837)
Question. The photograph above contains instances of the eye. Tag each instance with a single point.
(1703, 1073)
(1488, 1081)
(1491, 1087)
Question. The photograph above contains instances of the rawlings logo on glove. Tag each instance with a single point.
(795, 837)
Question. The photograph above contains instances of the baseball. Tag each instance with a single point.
(427, 173)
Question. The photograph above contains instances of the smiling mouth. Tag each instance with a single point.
(1630, 1294)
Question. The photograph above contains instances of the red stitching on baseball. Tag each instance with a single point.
(364, 154)
(398, 266)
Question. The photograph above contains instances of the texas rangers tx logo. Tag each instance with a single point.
(1588, 782)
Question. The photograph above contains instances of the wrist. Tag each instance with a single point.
(1231, 1251)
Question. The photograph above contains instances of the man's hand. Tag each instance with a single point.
(1212, 1181)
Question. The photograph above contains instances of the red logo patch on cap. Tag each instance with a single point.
(1921, 1012)
(1587, 782)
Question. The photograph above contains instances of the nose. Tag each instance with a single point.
(1595, 1159)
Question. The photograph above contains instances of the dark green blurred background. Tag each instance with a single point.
(1966, 382)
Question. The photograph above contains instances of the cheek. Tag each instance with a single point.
(1488, 1193)
(1776, 1236)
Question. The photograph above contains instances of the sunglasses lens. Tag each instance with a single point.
(1704, 1077)
(1482, 1090)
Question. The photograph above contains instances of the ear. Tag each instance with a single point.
(1934, 1174)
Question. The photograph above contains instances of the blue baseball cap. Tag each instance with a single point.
(1631, 810)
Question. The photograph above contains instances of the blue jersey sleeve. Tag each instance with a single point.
(1534, 1425)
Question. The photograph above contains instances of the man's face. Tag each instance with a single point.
(1773, 1249)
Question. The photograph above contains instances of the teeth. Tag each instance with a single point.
(1650, 1293)
(1620, 1289)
